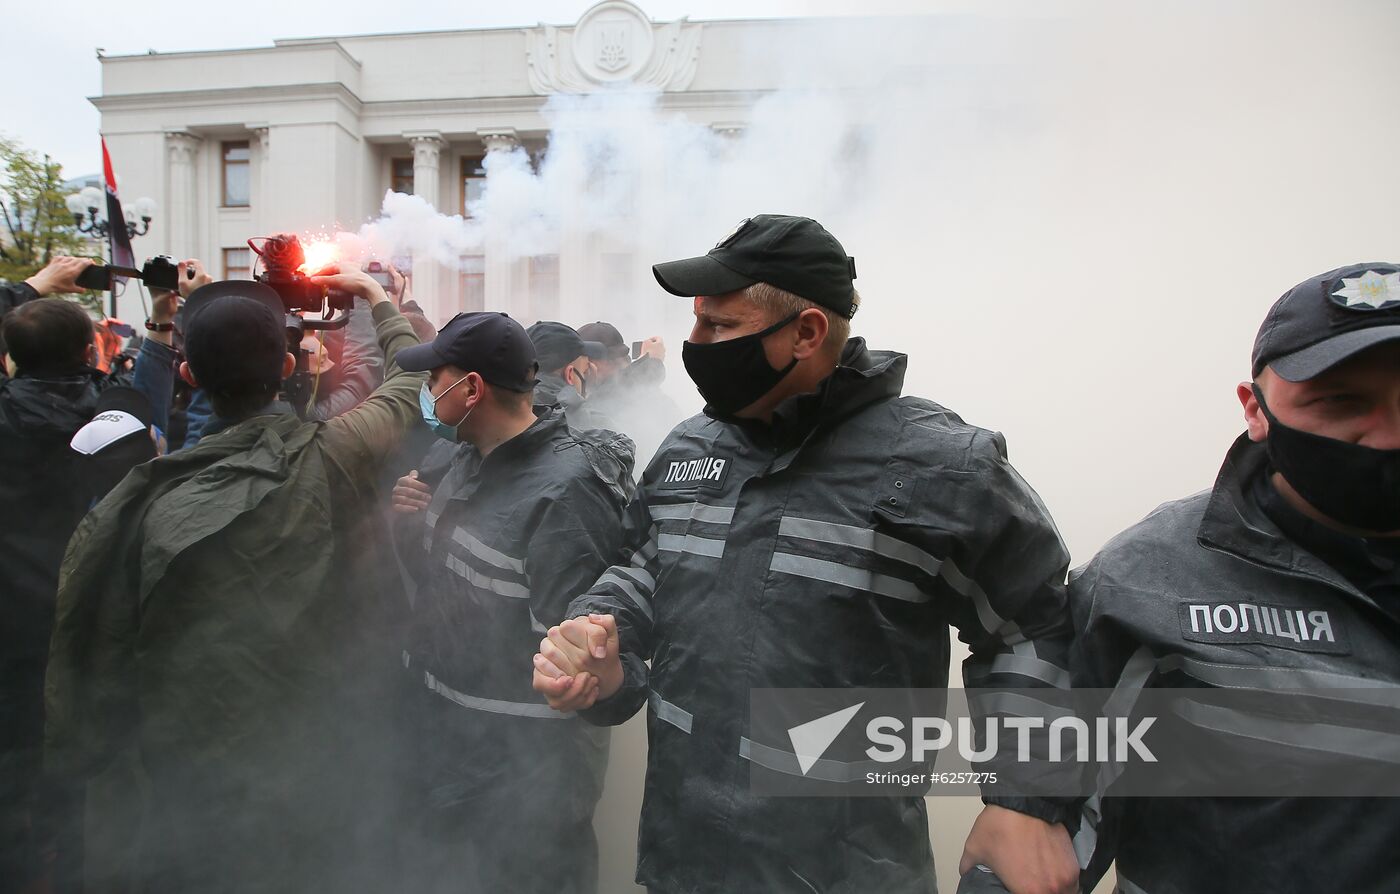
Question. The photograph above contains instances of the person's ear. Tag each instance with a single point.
(10, 368)
(812, 327)
(476, 386)
(94, 356)
(1253, 415)
(289, 365)
(188, 375)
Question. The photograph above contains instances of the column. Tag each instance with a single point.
(427, 273)
(182, 152)
(500, 294)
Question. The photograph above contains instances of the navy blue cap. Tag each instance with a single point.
(235, 335)
(796, 254)
(490, 344)
(1326, 319)
(558, 345)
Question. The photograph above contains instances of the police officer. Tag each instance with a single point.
(526, 516)
(566, 365)
(1303, 526)
(812, 528)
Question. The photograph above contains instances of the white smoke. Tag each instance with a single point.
(1072, 221)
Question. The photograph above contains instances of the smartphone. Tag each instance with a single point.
(379, 274)
(636, 350)
(97, 277)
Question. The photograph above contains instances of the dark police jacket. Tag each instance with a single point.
(831, 549)
(504, 545)
(1181, 600)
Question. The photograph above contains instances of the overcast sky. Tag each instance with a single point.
(52, 64)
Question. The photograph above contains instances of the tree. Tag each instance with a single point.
(37, 224)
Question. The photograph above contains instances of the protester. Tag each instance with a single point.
(527, 513)
(1303, 520)
(58, 277)
(228, 614)
(122, 435)
(566, 362)
(812, 528)
(628, 391)
(54, 392)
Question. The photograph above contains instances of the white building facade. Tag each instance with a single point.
(308, 134)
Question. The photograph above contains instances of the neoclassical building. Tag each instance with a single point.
(309, 133)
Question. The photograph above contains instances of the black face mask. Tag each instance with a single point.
(1356, 485)
(733, 374)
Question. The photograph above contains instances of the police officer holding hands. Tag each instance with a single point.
(812, 528)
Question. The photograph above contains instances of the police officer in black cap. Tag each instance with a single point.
(812, 528)
(566, 365)
(525, 515)
(1284, 576)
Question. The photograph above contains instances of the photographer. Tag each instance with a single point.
(226, 613)
(58, 277)
(54, 392)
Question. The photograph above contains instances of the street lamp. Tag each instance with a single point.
(88, 218)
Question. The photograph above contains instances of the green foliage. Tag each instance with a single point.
(35, 223)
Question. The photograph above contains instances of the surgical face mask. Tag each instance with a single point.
(427, 405)
(733, 374)
(1356, 485)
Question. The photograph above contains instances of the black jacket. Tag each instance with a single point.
(831, 549)
(41, 500)
(506, 542)
(1140, 609)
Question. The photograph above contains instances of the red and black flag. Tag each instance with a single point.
(121, 254)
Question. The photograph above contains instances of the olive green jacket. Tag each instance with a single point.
(231, 613)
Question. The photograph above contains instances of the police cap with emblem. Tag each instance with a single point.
(795, 254)
(1324, 320)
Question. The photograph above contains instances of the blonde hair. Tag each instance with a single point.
(777, 304)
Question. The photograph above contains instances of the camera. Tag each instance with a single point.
(284, 263)
(158, 273)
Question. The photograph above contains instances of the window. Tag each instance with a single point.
(473, 282)
(237, 182)
(401, 175)
(544, 286)
(473, 183)
(238, 263)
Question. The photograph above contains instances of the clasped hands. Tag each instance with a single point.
(578, 663)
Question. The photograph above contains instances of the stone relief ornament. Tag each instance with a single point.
(613, 44)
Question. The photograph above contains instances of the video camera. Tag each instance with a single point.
(159, 272)
(284, 264)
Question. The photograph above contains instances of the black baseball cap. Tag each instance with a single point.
(1326, 319)
(558, 345)
(235, 335)
(796, 254)
(605, 334)
(490, 344)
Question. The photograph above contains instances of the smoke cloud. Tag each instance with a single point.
(1072, 218)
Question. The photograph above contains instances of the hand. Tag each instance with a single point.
(60, 276)
(411, 495)
(398, 284)
(352, 280)
(588, 645)
(653, 347)
(1029, 855)
(566, 692)
(201, 277)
